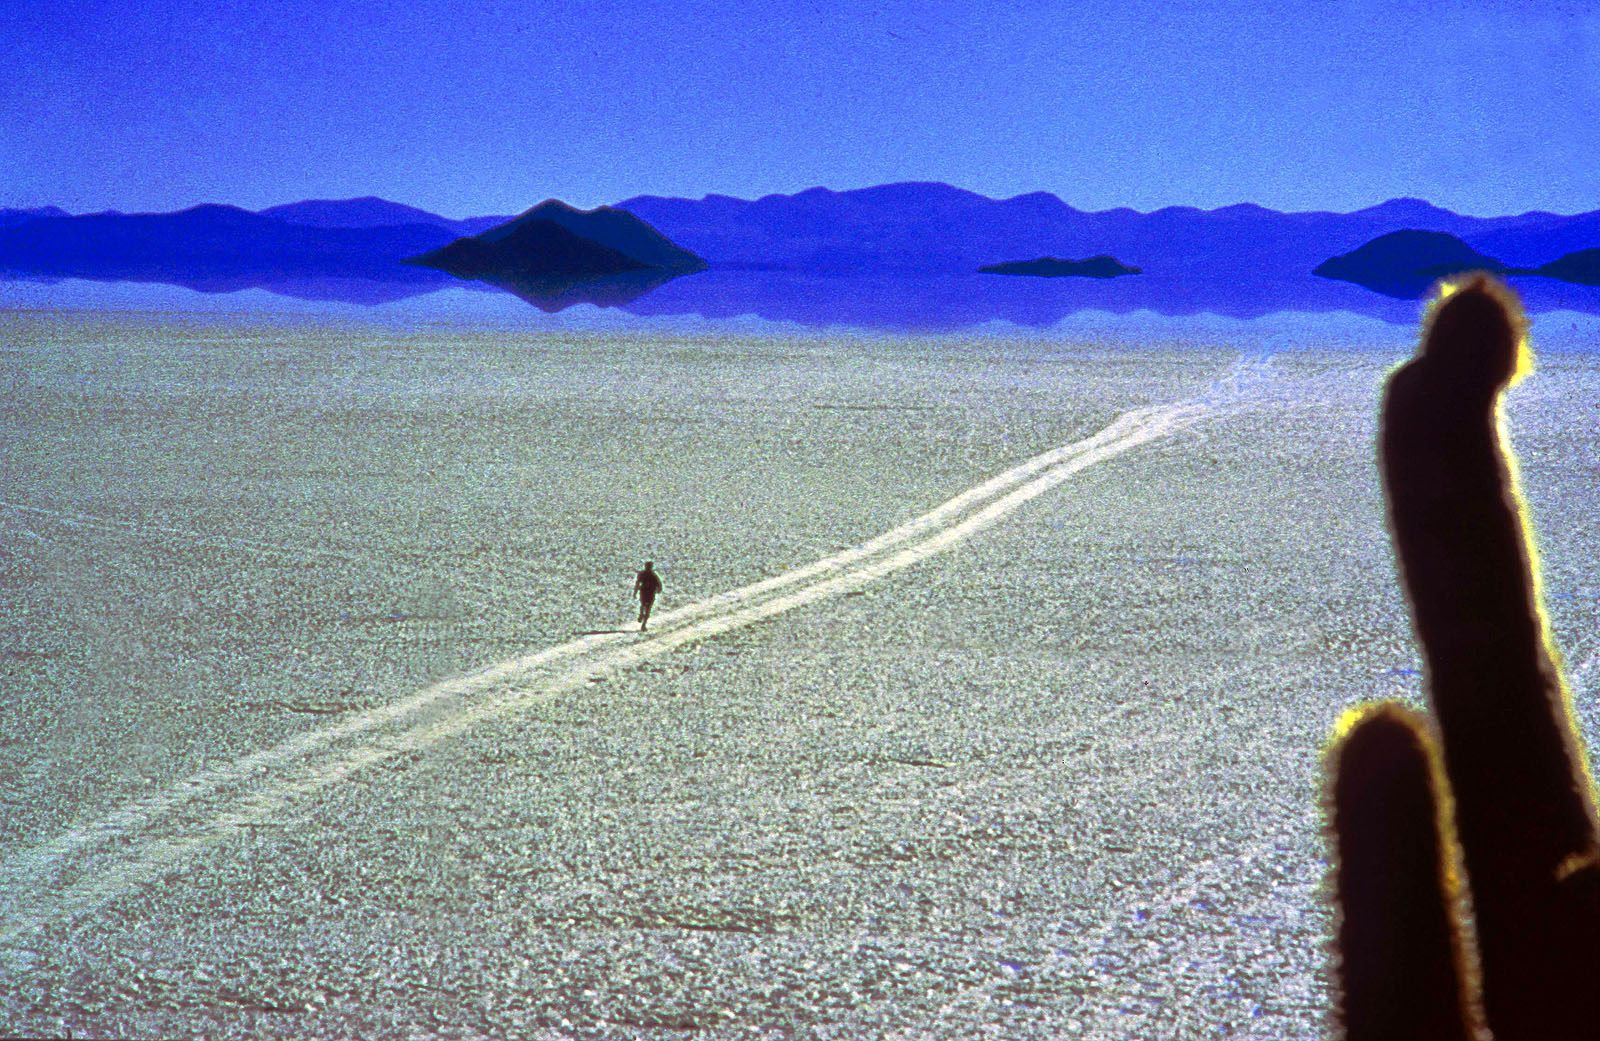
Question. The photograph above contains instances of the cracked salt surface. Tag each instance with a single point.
(1057, 781)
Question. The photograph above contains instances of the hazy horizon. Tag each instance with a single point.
(702, 196)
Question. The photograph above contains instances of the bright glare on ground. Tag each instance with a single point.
(1058, 779)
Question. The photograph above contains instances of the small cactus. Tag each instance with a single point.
(1466, 850)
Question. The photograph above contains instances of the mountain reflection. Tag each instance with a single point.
(898, 302)
(558, 294)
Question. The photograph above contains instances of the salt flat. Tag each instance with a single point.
(1058, 780)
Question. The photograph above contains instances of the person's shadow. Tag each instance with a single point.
(1467, 866)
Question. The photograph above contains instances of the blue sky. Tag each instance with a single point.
(465, 109)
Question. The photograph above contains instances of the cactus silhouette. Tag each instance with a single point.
(1467, 866)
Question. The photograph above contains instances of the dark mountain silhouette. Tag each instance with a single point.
(1406, 263)
(1582, 267)
(371, 212)
(554, 256)
(1053, 267)
(530, 249)
(607, 226)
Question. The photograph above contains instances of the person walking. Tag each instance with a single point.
(646, 585)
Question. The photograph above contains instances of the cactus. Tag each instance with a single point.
(1466, 851)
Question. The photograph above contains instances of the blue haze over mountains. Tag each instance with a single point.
(899, 256)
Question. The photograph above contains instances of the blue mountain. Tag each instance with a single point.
(213, 248)
(1533, 239)
(929, 227)
(1241, 258)
(353, 249)
(10, 218)
(370, 212)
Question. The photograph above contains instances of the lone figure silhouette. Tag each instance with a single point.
(1467, 866)
(646, 584)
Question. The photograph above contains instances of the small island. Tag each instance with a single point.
(554, 240)
(554, 256)
(1102, 266)
(1582, 267)
(1405, 264)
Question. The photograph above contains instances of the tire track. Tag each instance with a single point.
(154, 836)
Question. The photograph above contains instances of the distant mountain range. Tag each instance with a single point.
(216, 249)
(1233, 260)
(932, 227)
(371, 212)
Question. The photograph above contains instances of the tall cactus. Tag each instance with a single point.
(1467, 855)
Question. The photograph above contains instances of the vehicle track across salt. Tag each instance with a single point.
(153, 837)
